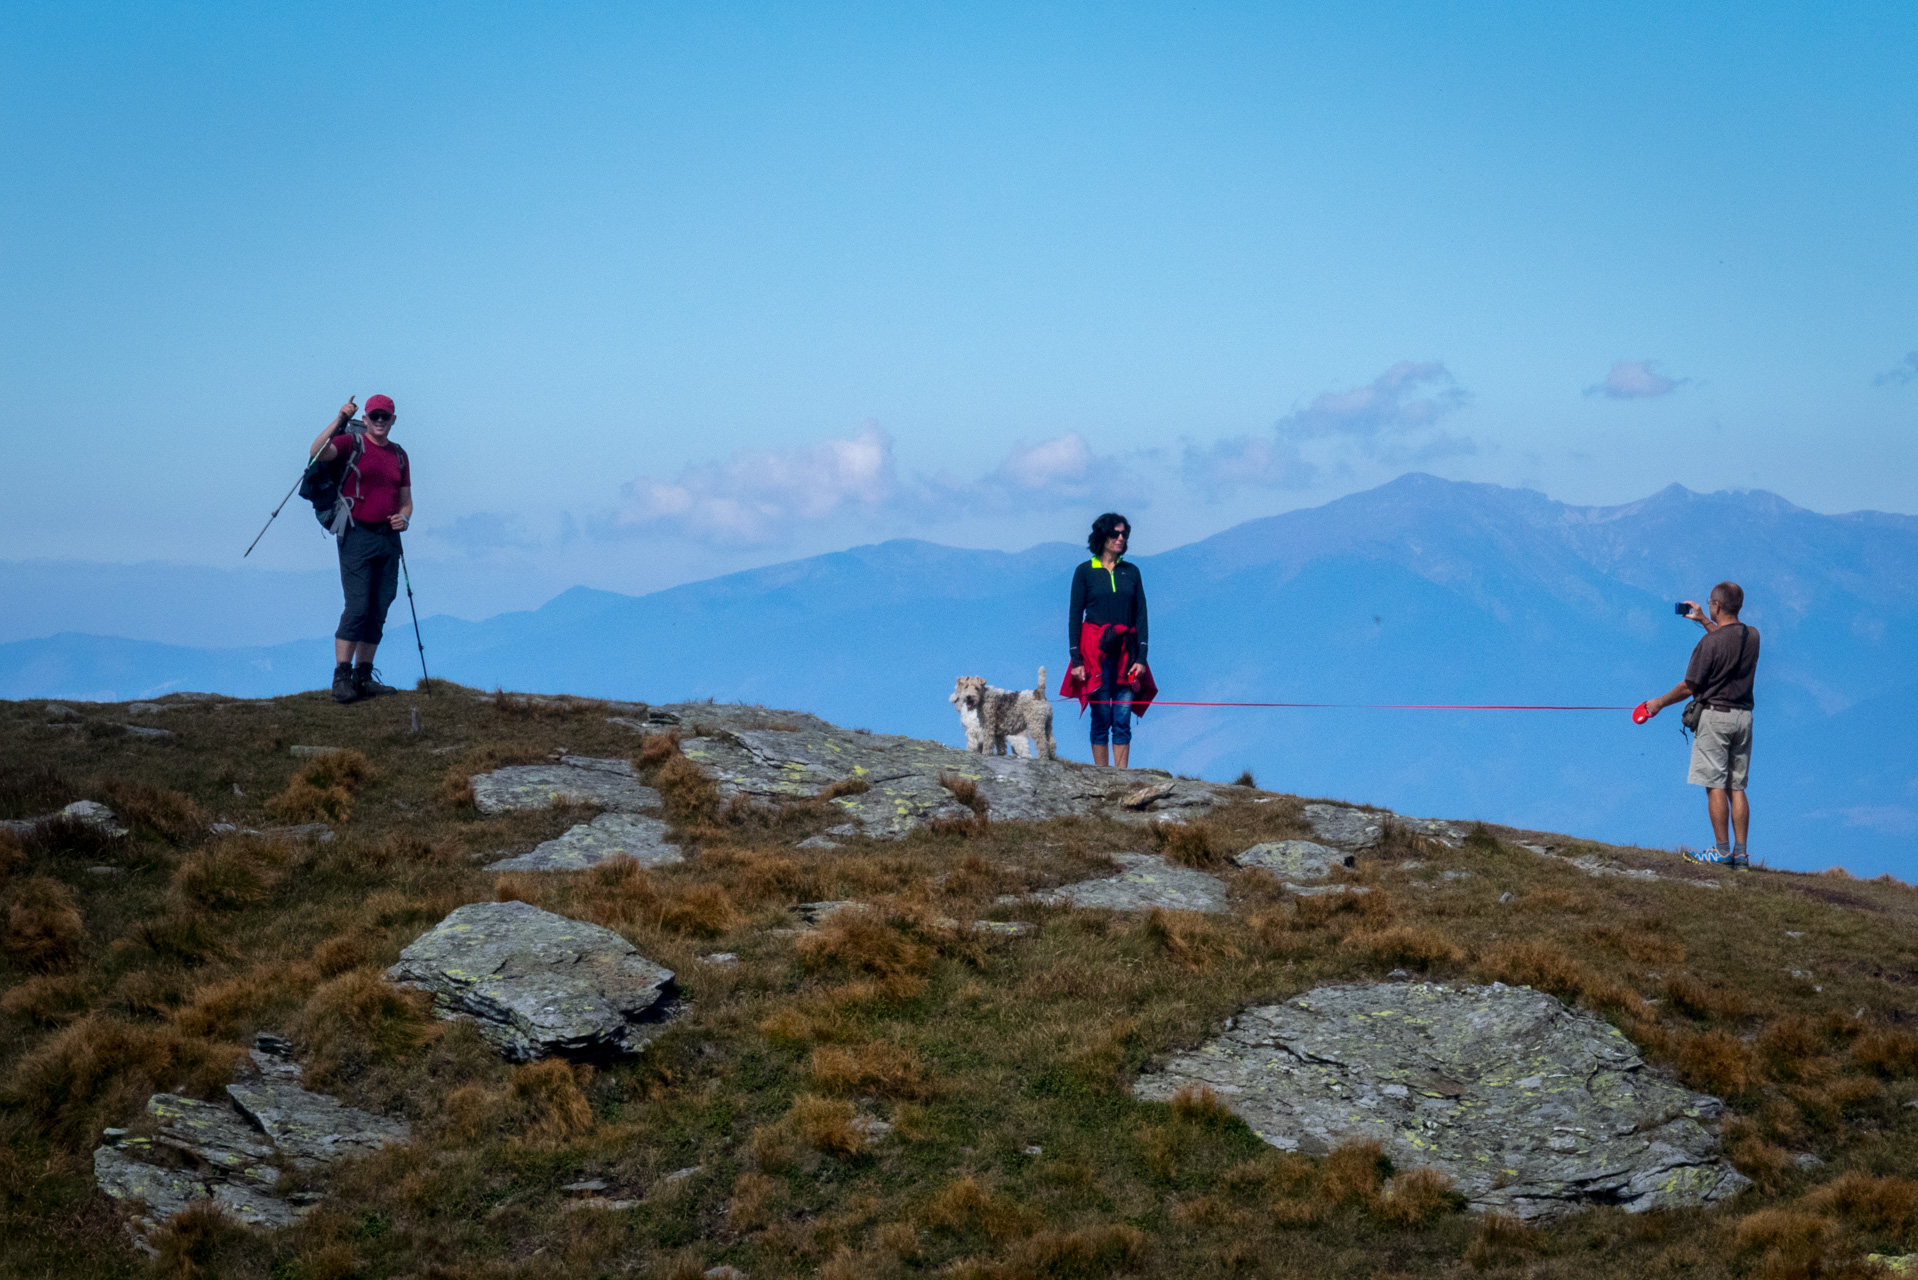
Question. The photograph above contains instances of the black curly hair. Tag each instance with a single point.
(1104, 527)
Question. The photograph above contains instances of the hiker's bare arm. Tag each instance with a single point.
(323, 443)
(1679, 693)
(1701, 617)
(404, 516)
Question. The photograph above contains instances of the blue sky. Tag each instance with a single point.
(667, 290)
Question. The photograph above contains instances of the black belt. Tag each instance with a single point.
(374, 526)
(1724, 706)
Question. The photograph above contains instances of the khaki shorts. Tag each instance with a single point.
(1722, 750)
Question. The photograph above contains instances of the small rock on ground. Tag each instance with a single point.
(610, 835)
(1144, 881)
(537, 983)
(1531, 1107)
(91, 812)
(608, 784)
(1294, 859)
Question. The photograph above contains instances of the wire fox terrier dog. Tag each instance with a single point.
(992, 715)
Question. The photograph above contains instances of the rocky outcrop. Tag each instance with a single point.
(1299, 860)
(610, 835)
(232, 1153)
(1352, 828)
(539, 984)
(1530, 1106)
(1144, 881)
(780, 756)
(90, 812)
(607, 784)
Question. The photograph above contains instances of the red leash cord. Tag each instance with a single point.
(1358, 706)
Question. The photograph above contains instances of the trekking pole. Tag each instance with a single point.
(310, 464)
(424, 678)
(276, 513)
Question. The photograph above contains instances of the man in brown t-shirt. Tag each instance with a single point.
(1720, 675)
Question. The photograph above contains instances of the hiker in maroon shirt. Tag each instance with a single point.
(378, 484)
(1720, 677)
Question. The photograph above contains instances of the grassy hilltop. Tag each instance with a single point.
(146, 963)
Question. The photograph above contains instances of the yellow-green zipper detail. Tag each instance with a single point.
(1112, 574)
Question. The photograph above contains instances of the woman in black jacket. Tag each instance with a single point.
(1106, 631)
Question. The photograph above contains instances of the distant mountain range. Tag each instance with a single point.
(1422, 590)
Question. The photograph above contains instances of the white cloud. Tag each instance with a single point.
(1062, 471)
(1635, 380)
(1390, 420)
(1407, 397)
(759, 497)
(753, 497)
(1899, 375)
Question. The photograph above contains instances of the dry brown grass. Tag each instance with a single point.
(1718, 1062)
(826, 1125)
(1191, 844)
(1407, 946)
(47, 1000)
(863, 942)
(357, 1021)
(552, 1106)
(1501, 1240)
(1194, 939)
(303, 802)
(974, 1047)
(967, 1207)
(655, 749)
(172, 816)
(44, 929)
(1416, 1198)
(688, 794)
(877, 1067)
(228, 875)
(1090, 1253)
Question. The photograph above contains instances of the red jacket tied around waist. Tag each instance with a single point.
(1092, 647)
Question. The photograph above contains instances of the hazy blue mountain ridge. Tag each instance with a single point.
(1422, 590)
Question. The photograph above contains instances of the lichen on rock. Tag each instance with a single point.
(1531, 1107)
(608, 784)
(610, 835)
(538, 984)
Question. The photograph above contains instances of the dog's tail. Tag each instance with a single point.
(1041, 689)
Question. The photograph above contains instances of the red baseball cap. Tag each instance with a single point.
(379, 404)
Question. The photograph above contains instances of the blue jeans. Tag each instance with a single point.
(1111, 709)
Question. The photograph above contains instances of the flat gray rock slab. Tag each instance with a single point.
(537, 983)
(233, 1152)
(772, 765)
(1531, 1107)
(1362, 828)
(91, 812)
(610, 835)
(575, 780)
(311, 1128)
(1145, 881)
(1295, 859)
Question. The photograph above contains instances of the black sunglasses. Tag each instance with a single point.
(379, 417)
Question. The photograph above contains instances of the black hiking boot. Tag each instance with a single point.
(367, 681)
(345, 688)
